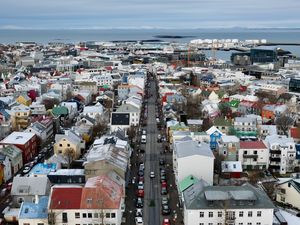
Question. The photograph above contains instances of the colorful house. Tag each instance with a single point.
(177, 127)
(215, 135)
(24, 100)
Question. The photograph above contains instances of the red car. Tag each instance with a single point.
(166, 222)
(164, 184)
(140, 193)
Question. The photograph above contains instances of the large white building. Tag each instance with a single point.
(282, 153)
(288, 191)
(231, 205)
(193, 158)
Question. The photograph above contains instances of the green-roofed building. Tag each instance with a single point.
(222, 124)
(187, 182)
(234, 103)
(60, 111)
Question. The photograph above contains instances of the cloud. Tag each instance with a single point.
(149, 13)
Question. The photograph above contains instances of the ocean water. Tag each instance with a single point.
(74, 36)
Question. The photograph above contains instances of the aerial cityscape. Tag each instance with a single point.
(149, 112)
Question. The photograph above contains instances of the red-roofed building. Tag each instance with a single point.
(295, 133)
(254, 155)
(100, 200)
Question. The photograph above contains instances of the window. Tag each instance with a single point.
(68, 145)
(20, 200)
(249, 223)
(258, 223)
(240, 223)
(90, 215)
(282, 199)
(107, 215)
(40, 224)
(255, 152)
(95, 215)
(60, 145)
(219, 214)
(210, 214)
(64, 217)
(201, 214)
(201, 223)
(241, 214)
(210, 223)
(77, 215)
(250, 214)
(83, 215)
(259, 213)
(113, 215)
(245, 152)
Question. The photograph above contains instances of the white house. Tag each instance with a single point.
(132, 110)
(282, 153)
(4, 160)
(72, 108)
(254, 155)
(219, 205)
(95, 111)
(193, 158)
(288, 191)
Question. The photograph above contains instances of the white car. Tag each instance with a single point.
(139, 221)
(139, 213)
(152, 175)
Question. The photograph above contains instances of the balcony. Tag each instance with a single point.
(248, 156)
(275, 151)
(272, 163)
(275, 156)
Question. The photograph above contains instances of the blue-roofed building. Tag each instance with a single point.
(43, 169)
(34, 213)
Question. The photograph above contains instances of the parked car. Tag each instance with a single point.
(133, 180)
(164, 184)
(139, 203)
(140, 193)
(162, 178)
(141, 173)
(164, 191)
(139, 213)
(165, 210)
(26, 170)
(161, 162)
(164, 200)
(141, 185)
(166, 222)
(139, 221)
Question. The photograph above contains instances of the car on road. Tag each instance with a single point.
(141, 178)
(164, 184)
(163, 191)
(141, 173)
(144, 132)
(139, 221)
(141, 185)
(152, 175)
(142, 167)
(139, 213)
(133, 180)
(163, 178)
(166, 222)
(164, 200)
(165, 210)
(139, 203)
(158, 138)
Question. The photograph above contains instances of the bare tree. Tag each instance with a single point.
(50, 103)
(132, 132)
(225, 109)
(100, 128)
(69, 154)
(283, 123)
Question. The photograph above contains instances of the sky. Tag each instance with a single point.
(146, 14)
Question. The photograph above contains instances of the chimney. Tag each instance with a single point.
(36, 199)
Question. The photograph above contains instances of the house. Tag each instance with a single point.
(67, 176)
(6, 165)
(228, 147)
(72, 109)
(295, 134)
(245, 126)
(101, 159)
(15, 157)
(37, 108)
(26, 189)
(248, 107)
(69, 145)
(134, 112)
(125, 89)
(193, 158)
(231, 169)
(20, 116)
(120, 121)
(267, 130)
(101, 199)
(195, 125)
(43, 169)
(84, 96)
(24, 100)
(95, 112)
(222, 124)
(215, 135)
(26, 142)
(254, 155)
(34, 213)
(176, 127)
(282, 154)
(186, 183)
(234, 204)
(288, 191)
(42, 126)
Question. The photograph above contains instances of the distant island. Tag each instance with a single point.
(172, 36)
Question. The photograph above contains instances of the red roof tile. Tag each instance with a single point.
(66, 198)
(252, 145)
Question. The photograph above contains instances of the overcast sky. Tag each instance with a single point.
(64, 14)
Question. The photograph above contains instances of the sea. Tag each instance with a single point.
(44, 36)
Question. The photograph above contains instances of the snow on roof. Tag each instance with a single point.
(231, 166)
(20, 138)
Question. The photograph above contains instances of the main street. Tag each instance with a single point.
(152, 214)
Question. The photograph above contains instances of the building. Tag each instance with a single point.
(195, 125)
(26, 142)
(288, 192)
(134, 112)
(99, 201)
(34, 213)
(26, 189)
(94, 112)
(24, 100)
(254, 155)
(120, 121)
(20, 117)
(263, 55)
(294, 85)
(15, 157)
(245, 126)
(218, 205)
(69, 145)
(67, 176)
(215, 135)
(282, 153)
(231, 169)
(228, 147)
(43, 169)
(6, 165)
(193, 158)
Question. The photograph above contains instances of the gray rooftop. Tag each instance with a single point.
(191, 148)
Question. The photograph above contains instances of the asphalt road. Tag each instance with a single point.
(152, 199)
